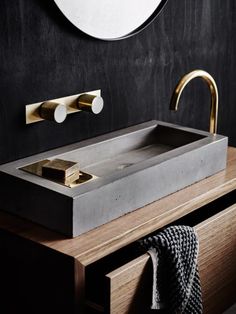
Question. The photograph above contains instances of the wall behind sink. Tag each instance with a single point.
(42, 56)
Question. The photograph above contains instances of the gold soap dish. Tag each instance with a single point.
(59, 171)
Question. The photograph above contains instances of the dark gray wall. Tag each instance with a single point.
(42, 56)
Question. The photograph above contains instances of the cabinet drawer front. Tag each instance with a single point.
(217, 260)
(128, 288)
(125, 287)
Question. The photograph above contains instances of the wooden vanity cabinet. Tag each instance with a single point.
(127, 288)
(104, 270)
(217, 267)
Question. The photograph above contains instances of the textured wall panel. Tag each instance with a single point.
(42, 56)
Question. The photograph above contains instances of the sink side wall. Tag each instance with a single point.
(134, 191)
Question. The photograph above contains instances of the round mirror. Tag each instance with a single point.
(110, 19)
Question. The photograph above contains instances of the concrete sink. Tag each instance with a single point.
(130, 168)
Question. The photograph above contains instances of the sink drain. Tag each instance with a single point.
(122, 166)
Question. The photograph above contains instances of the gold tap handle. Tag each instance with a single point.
(214, 95)
(53, 111)
(90, 103)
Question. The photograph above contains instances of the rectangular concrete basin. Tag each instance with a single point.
(131, 168)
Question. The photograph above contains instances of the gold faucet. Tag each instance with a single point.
(214, 95)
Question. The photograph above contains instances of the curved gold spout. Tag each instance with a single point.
(214, 95)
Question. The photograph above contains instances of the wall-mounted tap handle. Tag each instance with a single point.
(53, 111)
(90, 103)
(57, 109)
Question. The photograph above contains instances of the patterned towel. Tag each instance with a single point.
(176, 283)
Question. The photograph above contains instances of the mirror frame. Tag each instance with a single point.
(134, 32)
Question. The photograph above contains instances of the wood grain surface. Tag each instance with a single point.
(42, 56)
(217, 260)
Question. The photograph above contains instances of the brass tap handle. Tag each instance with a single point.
(214, 95)
(90, 103)
(53, 111)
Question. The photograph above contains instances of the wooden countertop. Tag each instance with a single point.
(106, 239)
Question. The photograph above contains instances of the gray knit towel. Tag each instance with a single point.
(176, 283)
